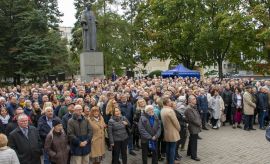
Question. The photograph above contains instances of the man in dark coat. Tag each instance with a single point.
(202, 104)
(45, 123)
(194, 127)
(262, 106)
(127, 111)
(80, 136)
(44, 127)
(227, 98)
(26, 142)
(68, 115)
(13, 124)
(12, 106)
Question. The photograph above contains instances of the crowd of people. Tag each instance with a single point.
(76, 122)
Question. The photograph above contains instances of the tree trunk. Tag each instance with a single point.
(220, 70)
(186, 63)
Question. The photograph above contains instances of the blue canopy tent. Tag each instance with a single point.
(180, 71)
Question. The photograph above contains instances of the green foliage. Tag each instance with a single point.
(113, 36)
(30, 43)
(204, 32)
(154, 73)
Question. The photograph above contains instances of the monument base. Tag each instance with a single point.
(91, 65)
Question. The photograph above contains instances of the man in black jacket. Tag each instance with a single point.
(262, 106)
(127, 111)
(13, 124)
(26, 142)
(227, 98)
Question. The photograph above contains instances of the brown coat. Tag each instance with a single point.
(57, 147)
(249, 105)
(98, 140)
(170, 124)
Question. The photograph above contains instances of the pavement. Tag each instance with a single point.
(222, 146)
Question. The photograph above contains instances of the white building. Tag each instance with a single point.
(153, 65)
(66, 32)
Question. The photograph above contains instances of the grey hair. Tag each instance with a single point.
(77, 106)
(21, 116)
(190, 97)
(47, 108)
(148, 107)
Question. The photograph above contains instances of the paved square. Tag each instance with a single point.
(223, 146)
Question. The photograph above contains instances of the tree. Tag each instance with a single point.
(228, 34)
(259, 10)
(168, 29)
(113, 36)
(31, 39)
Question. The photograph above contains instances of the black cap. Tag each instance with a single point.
(56, 121)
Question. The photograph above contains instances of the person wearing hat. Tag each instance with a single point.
(249, 107)
(56, 143)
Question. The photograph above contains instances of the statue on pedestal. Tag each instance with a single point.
(89, 30)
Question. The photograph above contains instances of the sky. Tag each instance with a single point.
(68, 9)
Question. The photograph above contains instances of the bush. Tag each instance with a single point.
(156, 72)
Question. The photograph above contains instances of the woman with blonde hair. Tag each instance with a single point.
(98, 141)
(111, 105)
(140, 108)
(101, 101)
(46, 104)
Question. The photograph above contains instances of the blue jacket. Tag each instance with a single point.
(262, 102)
(43, 128)
(202, 104)
(65, 119)
(27, 111)
(11, 109)
(127, 111)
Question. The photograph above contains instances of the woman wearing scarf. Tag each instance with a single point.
(150, 129)
(98, 141)
(4, 119)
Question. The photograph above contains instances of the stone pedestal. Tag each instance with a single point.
(91, 65)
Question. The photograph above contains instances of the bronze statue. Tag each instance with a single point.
(89, 30)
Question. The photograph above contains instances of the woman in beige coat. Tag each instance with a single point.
(98, 141)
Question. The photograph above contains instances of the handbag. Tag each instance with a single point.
(267, 133)
(129, 130)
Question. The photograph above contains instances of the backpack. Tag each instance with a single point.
(267, 133)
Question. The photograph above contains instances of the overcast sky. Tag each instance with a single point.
(68, 9)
